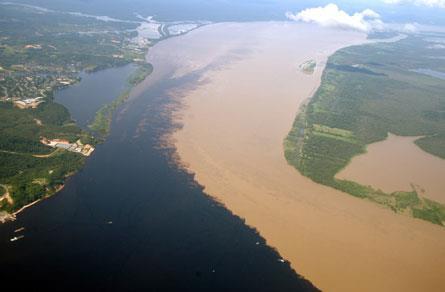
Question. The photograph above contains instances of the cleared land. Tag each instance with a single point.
(234, 122)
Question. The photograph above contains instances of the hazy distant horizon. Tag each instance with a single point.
(239, 10)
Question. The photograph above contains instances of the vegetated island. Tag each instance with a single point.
(40, 145)
(308, 67)
(102, 119)
(366, 92)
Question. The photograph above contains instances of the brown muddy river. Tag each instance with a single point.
(234, 121)
(397, 164)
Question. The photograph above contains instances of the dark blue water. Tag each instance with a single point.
(131, 220)
(96, 89)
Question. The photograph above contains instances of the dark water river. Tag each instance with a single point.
(132, 220)
(96, 89)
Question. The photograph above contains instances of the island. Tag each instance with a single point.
(308, 67)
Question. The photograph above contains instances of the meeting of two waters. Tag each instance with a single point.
(131, 219)
(135, 218)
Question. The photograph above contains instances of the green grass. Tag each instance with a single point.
(366, 92)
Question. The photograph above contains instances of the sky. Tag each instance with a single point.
(363, 15)
(426, 12)
(369, 19)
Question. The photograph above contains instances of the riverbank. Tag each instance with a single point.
(32, 74)
(46, 171)
(6, 217)
(398, 164)
(90, 105)
(102, 119)
(342, 119)
(233, 122)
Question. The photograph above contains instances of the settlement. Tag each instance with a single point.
(77, 147)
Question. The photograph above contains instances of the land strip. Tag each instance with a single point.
(366, 92)
(31, 70)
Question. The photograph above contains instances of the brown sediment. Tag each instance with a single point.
(234, 124)
(397, 164)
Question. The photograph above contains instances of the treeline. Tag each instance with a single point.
(28, 177)
(50, 45)
(102, 120)
(368, 91)
(31, 178)
(61, 39)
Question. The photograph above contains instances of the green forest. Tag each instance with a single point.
(102, 120)
(40, 52)
(27, 176)
(366, 92)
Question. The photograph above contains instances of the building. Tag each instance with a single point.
(29, 102)
(77, 147)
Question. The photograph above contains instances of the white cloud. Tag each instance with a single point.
(410, 28)
(429, 3)
(331, 16)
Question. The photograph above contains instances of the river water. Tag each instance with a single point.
(131, 220)
(398, 164)
(96, 89)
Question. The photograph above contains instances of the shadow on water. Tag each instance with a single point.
(132, 220)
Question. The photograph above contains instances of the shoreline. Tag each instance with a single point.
(58, 189)
(388, 154)
(338, 242)
(101, 123)
(9, 217)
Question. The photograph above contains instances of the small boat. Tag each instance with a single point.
(19, 229)
(15, 238)
(281, 260)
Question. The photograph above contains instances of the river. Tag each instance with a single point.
(232, 126)
(96, 89)
(398, 164)
(132, 220)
